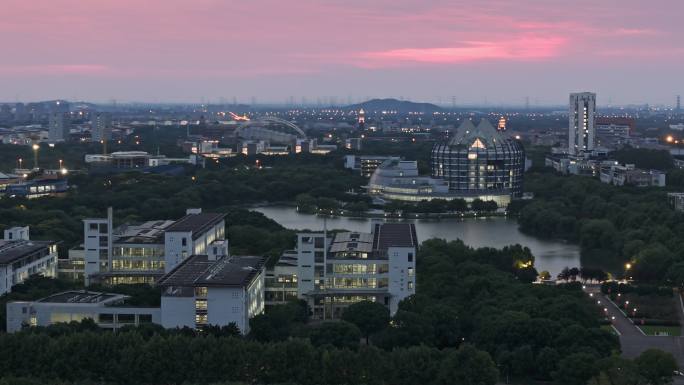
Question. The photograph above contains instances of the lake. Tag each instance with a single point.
(476, 232)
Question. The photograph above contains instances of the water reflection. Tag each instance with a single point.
(477, 232)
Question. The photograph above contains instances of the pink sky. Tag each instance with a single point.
(629, 51)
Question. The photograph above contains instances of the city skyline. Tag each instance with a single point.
(491, 52)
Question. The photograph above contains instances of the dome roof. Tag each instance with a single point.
(482, 136)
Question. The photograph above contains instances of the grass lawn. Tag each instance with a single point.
(609, 329)
(653, 330)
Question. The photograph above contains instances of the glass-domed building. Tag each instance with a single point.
(480, 162)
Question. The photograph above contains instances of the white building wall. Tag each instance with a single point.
(177, 246)
(177, 312)
(306, 262)
(402, 275)
(94, 246)
(5, 279)
(226, 305)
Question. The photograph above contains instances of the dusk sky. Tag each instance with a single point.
(628, 51)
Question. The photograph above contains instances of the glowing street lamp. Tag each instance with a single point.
(35, 147)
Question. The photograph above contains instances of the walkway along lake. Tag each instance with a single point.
(495, 232)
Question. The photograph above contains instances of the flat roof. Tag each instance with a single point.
(196, 223)
(82, 297)
(350, 241)
(388, 235)
(198, 270)
(11, 251)
(150, 232)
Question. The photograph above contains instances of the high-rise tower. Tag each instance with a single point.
(581, 130)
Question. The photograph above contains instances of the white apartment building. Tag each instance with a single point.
(581, 125)
(141, 253)
(101, 126)
(213, 290)
(336, 270)
(59, 126)
(21, 258)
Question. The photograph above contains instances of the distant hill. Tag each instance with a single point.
(395, 105)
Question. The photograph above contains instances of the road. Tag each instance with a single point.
(632, 340)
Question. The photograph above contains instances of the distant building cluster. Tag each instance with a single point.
(55, 122)
(590, 139)
(478, 162)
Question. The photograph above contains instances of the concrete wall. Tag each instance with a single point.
(177, 312)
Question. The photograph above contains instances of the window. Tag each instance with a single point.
(93, 226)
(236, 294)
(106, 318)
(318, 257)
(126, 318)
(201, 319)
(200, 292)
(410, 272)
(145, 318)
(236, 309)
(184, 241)
(201, 304)
(410, 257)
(410, 285)
(319, 242)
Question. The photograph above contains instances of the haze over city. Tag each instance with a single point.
(486, 52)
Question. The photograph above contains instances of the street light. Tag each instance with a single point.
(35, 147)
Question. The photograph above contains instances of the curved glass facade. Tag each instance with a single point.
(480, 161)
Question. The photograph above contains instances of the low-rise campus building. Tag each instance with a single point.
(336, 270)
(142, 253)
(213, 290)
(20, 258)
(108, 310)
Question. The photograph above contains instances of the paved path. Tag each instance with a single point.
(632, 340)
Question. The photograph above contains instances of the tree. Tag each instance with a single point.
(656, 366)
(652, 263)
(575, 369)
(369, 317)
(338, 334)
(467, 366)
(545, 275)
(617, 371)
(675, 274)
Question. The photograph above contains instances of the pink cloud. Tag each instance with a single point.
(522, 48)
(56, 69)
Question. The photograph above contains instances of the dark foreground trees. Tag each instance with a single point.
(175, 358)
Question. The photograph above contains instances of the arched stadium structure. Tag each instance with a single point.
(271, 129)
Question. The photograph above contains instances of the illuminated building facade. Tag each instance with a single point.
(142, 253)
(480, 162)
(335, 271)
